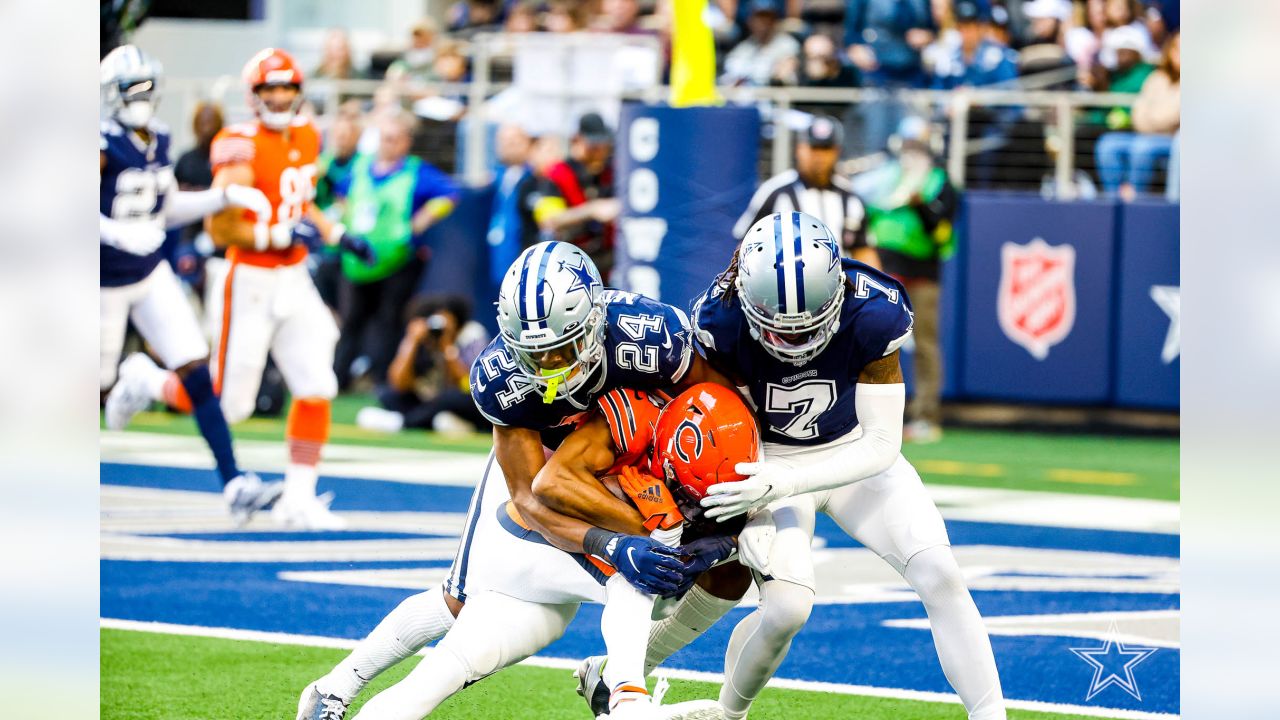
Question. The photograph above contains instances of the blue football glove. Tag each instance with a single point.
(701, 555)
(359, 247)
(648, 564)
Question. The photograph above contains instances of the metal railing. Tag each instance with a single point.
(960, 116)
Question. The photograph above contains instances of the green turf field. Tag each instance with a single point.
(147, 676)
(1101, 465)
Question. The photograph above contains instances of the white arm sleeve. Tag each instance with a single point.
(185, 207)
(879, 409)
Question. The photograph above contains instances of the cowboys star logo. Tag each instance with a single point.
(1036, 305)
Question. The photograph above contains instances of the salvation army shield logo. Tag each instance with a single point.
(1036, 306)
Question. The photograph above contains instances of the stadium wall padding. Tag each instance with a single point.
(684, 175)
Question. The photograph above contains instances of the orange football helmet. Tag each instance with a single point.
(272, 66)
(700, 437)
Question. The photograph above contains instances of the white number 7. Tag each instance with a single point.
(808, 400)
(864, 285)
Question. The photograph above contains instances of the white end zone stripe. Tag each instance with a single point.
(573, 663)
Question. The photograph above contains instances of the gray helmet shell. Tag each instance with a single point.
(791, 285)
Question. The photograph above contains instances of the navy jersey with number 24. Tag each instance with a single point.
(808, 404)
(647, 345)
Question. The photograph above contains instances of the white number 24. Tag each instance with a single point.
(808, 401)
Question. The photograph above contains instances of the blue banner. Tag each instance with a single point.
(1038, 280)
(1148, 331)
(459, 262)
(684, 176)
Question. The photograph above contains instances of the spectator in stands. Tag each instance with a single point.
(911, 203)
(473, 17)
(579, 203)
(813, 187)
(1127, 160)
(821, 66)
(335, 58)
(739, 11)
(765, 54)
(1083, 43)
(620, 16)
(1127, 75)
(1045, 48)
(1125, 16)
(565, 16)
(334, 172)
(428, 385)
(416, 65)
(978, 60)
(884, 39)
(512, 227)
(390, 199)
(522, 17)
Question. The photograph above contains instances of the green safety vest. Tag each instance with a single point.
(899, 229)
(381, 213)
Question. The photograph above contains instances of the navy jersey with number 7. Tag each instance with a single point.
(808, 404)
(647, 345)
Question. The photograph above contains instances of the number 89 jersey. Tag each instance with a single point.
(808, 404)
(284, 169)
(646, 346)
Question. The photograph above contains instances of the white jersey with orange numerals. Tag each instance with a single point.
(284, 169)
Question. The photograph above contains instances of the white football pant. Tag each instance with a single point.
(161, 312)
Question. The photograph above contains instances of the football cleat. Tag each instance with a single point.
(307, 513)
(247, 494)
(130, 395)
(590, 677)
(314, 705)
(691, 710)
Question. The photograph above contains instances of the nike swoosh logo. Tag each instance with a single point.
(666, 342)
(631, 557)
(479, 384)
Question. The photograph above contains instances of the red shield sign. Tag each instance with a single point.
(1036, 306)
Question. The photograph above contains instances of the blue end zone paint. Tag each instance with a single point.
(842, 643)
(351, 493)
(301, 536)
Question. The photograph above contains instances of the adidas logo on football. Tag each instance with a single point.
(652, 494)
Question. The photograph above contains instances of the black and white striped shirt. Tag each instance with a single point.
(836, 205)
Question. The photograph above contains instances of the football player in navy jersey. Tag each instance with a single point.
(814, 341)
(564, 341)
(138, 201)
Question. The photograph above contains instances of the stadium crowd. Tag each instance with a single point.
(383, 174)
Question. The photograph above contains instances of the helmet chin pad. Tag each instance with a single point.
(136, 114)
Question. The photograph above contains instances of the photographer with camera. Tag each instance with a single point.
(427, 383)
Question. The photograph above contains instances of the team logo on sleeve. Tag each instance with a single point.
(1036, 305)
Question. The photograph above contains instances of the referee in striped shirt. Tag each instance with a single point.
(814, 188)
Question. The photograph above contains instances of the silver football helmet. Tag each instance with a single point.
(791, 285)
(130, 82)
(550, 316)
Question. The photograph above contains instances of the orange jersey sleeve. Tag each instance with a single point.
(284, 169)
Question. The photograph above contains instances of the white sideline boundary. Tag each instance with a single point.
(569, 664)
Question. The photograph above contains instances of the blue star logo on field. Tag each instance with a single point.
(1113, 664)
(582, 277)
(1169, 298)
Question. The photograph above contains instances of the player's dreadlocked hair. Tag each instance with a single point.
(728, 278)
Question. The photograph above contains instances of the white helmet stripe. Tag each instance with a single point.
(785, 247)
(529, 285)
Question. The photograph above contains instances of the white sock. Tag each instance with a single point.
(440, 674)
(959, 635)
(154, 378)
(625, 626)
(760, 642)
(695, 613)
(300, 481)
(417, 621)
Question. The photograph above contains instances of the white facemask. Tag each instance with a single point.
(137, 113)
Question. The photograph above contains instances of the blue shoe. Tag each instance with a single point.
(314, 705)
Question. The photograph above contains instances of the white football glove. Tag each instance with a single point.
(249, 198)
(140, 237)
(767, 481)
(281, 235)
(755, 542)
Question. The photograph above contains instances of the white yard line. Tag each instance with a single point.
(568, 664)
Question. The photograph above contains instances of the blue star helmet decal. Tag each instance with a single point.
(830, 244)
(582, 277)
